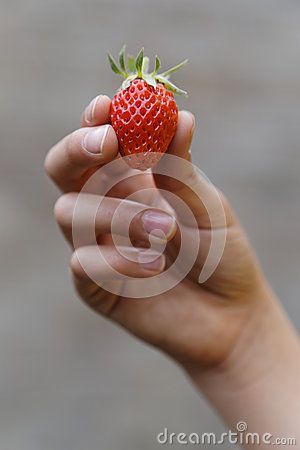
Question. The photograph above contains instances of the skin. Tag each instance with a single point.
(229, 334)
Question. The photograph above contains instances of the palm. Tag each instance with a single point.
(189, 318)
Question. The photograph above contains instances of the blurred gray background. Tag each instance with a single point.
(69, 380)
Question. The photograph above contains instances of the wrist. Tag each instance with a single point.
(261, 375)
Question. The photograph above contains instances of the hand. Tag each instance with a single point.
(196, 324)
(228, 333)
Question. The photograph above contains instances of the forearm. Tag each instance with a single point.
(260, 381)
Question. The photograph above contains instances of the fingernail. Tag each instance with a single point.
(151, 261)
(90, 110)
(155, 222)
(94, 140)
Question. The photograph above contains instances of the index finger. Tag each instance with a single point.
(96, 112)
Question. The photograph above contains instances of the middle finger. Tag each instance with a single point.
(95, 214)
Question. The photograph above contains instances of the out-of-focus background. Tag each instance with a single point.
(68, 379)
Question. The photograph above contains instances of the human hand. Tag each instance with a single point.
(197, 324)
(229, 332)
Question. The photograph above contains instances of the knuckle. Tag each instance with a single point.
(192, 179)
(48, 166)
(74, 146)
(64, 207)
(76, 268)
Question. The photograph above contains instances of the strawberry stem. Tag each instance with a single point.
(131, 64)
(173, 69)
(113, 65)
(122, 60)
(157, 65)
(139, 63)
(138, 68)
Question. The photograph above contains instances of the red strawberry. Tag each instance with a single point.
(143, 112)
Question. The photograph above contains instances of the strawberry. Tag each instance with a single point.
(143, 112)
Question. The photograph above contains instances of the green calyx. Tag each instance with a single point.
(139, 68)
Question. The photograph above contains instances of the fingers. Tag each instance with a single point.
(98, 215)
(181, 143)
(103, 263)
(188, 184)
(96, 268)
(94, 296)
(73, 157)
(97, 112)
